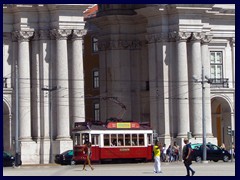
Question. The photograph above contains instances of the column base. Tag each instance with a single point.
(61, 145)
(180, 136)
(195, 139)
(29, 151)
(165, 139)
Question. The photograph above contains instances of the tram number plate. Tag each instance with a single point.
(125, 149)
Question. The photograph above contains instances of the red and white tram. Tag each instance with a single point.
(114, 140)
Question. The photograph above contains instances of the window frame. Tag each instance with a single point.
(215, 64)
(96, 111)
(94, 44)
(96, 79)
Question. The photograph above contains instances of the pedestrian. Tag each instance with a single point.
(88, 153)
(186, 155)
(164, 153)
(157, 152)
(170, 153)
(176, 151)
(223, 146)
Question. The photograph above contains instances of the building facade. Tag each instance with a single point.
(42, 49)
(151, 59)
(148, 57)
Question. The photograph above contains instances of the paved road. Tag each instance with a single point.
(133, 169)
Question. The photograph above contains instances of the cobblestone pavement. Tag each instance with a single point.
(128, 169)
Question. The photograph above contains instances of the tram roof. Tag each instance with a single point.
(103, 127)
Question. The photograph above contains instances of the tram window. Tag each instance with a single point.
(134, 140)
(85, 138)
(141, 139)
(95, 139)
(76, 138)
(149, 137)
(113, 140)
(120, 140)
(106, 140)
(127, 140)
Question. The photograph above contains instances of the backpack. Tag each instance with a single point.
(185, 152)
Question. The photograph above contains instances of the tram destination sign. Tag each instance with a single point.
(123, 125)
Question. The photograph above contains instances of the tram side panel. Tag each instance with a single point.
(126, 153)
(95, 153)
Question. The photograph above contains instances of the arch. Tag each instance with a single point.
(7, 125)
(222, 111)
(8, 104)
(223, 97)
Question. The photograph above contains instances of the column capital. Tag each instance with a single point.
(150, 38)
(23, 35)
(196, 36)
(6, 37)
(119, 45)
(206, 38)
(136, 44)
(61, 34)
(78, 33)
(180, 35)
(36, 36)
(160, 37)
(44, 34)
(232, 42)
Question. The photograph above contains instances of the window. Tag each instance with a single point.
(96, 79)
(113, 139)
(127, 140)
(216, 59)
(96, 112)
(85, 138)
(135, 140)
(120, 139)
(94, 45)
(106, 140)
(141, 139)
(94, 139)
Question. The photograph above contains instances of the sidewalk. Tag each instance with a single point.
(133, 169)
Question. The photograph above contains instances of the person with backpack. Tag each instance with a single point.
(186, 156)
(176, 151)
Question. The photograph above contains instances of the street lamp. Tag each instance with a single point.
(50, 90)
(203, 81)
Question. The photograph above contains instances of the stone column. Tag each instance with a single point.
(135, 63)
(206, 63)
(182, 83)
(24, 84)
(195, 90)
(232, 43)
(153, 90)
(35, 91)
(62, 95)
(163, 88)
(77, 103)
(14, 52)
(44, 57)
(103, 77)
(118, 78)
(7, 59)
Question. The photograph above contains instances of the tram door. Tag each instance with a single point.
(95, 146)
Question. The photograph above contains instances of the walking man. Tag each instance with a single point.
(187, 149)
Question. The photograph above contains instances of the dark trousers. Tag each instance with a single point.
(188, 169)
